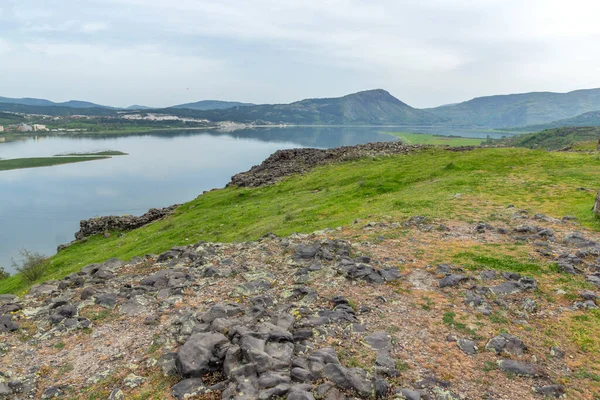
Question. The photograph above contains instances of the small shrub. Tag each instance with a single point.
(31, 265)
(3, 274)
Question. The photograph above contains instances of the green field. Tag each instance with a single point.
(438, 183)
(98, 153)
(424, 138)
(20, 163)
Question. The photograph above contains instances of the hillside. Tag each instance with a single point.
(556, 138)
(588, 119)
(212, 105)
(523, 109)
(454, 273)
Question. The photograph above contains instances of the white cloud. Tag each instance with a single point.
(425, 51)
(93, 27)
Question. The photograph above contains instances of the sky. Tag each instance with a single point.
(425, 52)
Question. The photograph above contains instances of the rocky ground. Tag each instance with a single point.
(376, 310)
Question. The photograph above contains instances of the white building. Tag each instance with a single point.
(38, 127)
(1, 128)
(24, 128)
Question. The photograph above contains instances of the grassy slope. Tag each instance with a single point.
(586, 138)
(423, 138)
(20, 163)
(436, 182)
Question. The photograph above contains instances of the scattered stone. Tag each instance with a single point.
(467, 346)
(51, 393)
(507, 344)
(116, 394)
(452, 280)
(550, 390)
(188, 388)
(379, 340)
(518, 368)
(133, 381)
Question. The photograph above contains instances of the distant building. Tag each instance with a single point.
(1, 128)
(38, 127)
(24, 128)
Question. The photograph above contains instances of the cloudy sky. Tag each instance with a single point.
(425, 52)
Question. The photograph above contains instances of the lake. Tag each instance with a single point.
(40, 208)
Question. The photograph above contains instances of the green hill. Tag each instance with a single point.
(588, 119)
(557, 138)
(522, 109)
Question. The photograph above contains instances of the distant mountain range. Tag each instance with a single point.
(212, 105)
(26, 101)
(526, 111)
(514, 110)
(372, 107)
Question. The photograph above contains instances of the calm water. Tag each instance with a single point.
(40, 208)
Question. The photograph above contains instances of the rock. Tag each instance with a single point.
(300, 395)
(5, 390)
(304, 252)
(505, 288)
(87, 293)
(550, 390)
(381, 388)
(133, 381)
(452, 280)
(98, 225)
(467, 346)
(43, 289)
(188, 388)
(132, 307)
(360, 382)
(7, 324)
(116, 394)
(556, 352)
(408, 394)
(508, 344)
(379, 340)
(529, 305)
(196, 357)
(488, 275)
(593, 278)
(51, 393)
(518, 368)
(108, 300)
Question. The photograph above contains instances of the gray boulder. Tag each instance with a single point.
(197, 356)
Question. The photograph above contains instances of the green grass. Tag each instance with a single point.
(424, 138)
(399, 186)
(475, 261)
(20, 163)
(98, 153)
(580, 138)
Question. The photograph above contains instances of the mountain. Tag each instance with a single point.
(512, 110)
(56, 110)
(212, 105)
(137, 107)
(372, 107)
(27, 101)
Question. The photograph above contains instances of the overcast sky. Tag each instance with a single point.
(164, 52)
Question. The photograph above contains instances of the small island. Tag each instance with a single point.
(59, 159)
